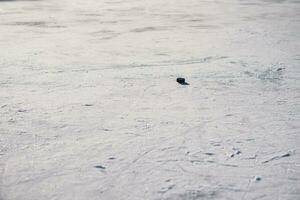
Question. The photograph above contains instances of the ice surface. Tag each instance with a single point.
(90, 108)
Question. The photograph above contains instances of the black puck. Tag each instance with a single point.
(180, 80)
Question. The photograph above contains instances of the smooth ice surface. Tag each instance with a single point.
(90, 108)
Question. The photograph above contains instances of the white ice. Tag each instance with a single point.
(90, 108)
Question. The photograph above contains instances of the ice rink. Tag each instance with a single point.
(90, 108)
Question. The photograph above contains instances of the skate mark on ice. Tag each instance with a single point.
(288, 154)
